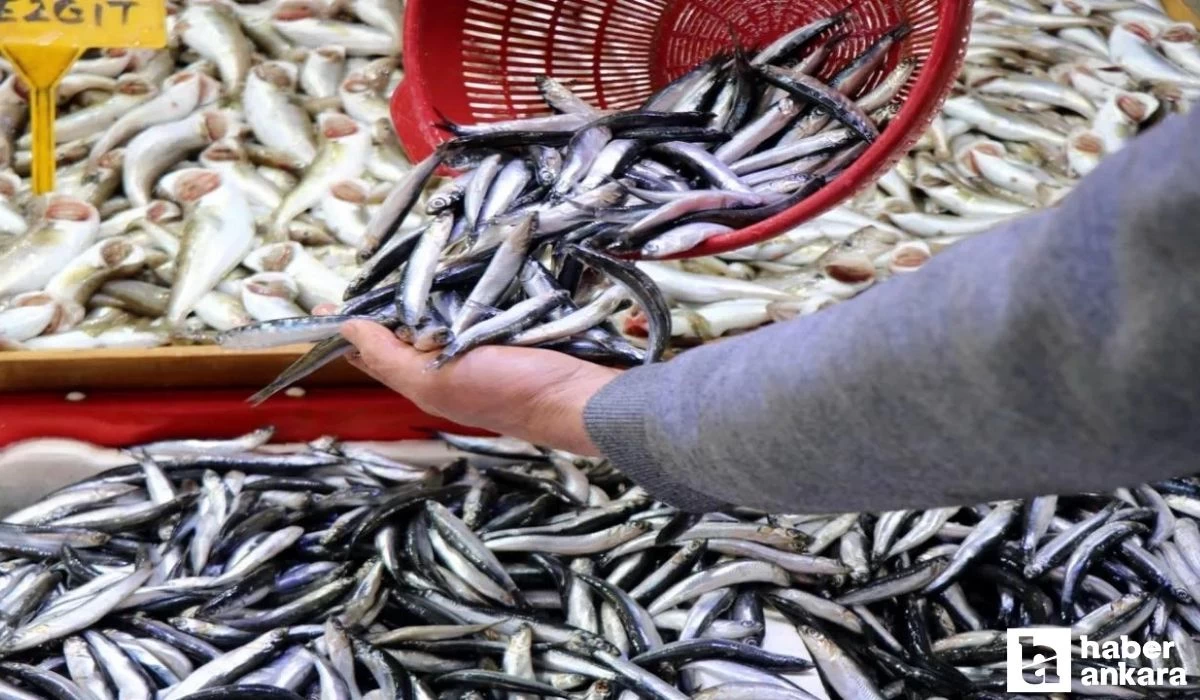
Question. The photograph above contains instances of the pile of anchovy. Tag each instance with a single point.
(222, 570)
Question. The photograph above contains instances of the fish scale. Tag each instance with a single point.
(293, 595)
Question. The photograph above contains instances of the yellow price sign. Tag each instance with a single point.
(42, 38)
(1184, 10)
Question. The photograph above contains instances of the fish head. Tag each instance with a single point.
(295, 10)
(66, 314)
(1086, 142)
(271, 284)
(134, 85)
(909, 256)
(976, 151)
(189, 87)
(351, 191)
(161, 211)
(120, 254)
(274, 257)
(1137, 107)
(280, 74)
(224, 151)
(309, 233)
(379, 71)
(189, 185)
(358, 84)
(330, 54)
(339, 127)
(850, 268)
(70, 211)
(1180, 32)
(216, 124)
(1139, 31)
(209, 88)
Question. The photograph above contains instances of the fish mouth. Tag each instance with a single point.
(134, 86)
(161, 211)
(1088, 143)
(1180, 33)
(292, 11)
(274, 73)
(1139, 30)
(909, 258)
(356, 85)
(193, 186)
(278, 286)
(338, 126)
(217, 125)
(70, 210)
(115, 252)
(65, 314)
(1133, 107)
(850, 270)
(278, 259)
(222, 153)
(349, 192)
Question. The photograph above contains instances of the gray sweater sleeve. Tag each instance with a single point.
(1057, 353)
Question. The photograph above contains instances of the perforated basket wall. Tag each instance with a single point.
(477, 60)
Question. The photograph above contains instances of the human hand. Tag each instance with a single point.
(527, 393)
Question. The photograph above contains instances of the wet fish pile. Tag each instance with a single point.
(1048, 90)
(223, 180)
(218, 569)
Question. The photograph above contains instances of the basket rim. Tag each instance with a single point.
(411, 102)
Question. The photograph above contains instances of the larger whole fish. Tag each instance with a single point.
(218, 234)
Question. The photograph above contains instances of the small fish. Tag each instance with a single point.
(275, 119)
(217, 236)
(67, 228)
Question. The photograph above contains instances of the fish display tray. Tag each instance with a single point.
(116, 418)
(181, 367)
(122, 397)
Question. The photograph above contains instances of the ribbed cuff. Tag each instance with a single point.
(615, 420)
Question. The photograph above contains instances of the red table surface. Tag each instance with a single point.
(121, 418)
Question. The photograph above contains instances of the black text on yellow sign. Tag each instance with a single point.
(84, 23)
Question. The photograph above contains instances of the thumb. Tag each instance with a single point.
(380, 349)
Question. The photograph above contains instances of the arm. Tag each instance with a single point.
(1058, 353)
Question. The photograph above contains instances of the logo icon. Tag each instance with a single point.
(1039, 660)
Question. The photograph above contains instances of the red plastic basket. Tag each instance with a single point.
(477, 60)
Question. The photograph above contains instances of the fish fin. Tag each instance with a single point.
(899, 31)
(445, 124)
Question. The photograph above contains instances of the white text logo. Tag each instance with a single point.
(1039, 661)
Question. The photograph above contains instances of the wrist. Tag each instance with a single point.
(559, 419)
